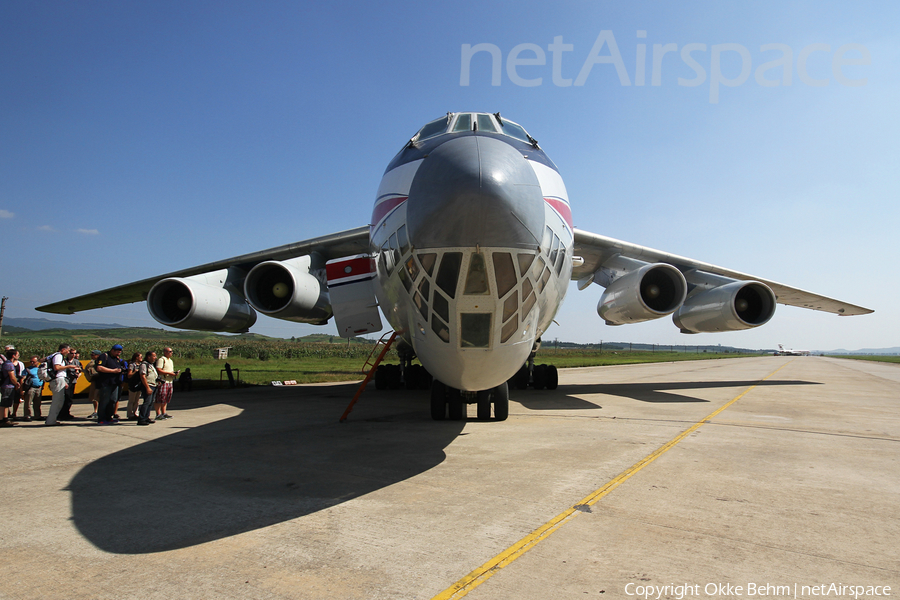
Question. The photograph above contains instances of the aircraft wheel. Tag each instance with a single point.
(501, 402)
(540, 377)
(484, 405)
(395, 380)
(412, 377)
(380, 378)
(425, 379)
(438, 400)
(520, 379)
(552, 377)
(455, 406)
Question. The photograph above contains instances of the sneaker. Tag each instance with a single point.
(143, 422)
(92, 416)
(7, 423)
(27, 419)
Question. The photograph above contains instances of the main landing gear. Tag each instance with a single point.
(450, 403)
(403, 376)
(537, 376)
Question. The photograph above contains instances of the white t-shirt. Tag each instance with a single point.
(57, 359)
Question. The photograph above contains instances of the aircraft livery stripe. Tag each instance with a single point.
(384, 207)
(562, 208)
(346, 268)
(490, 568)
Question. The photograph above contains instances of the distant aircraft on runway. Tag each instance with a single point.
(468, 252)
(782, 352)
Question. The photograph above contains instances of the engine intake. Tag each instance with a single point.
(647, 293)
(286, 290)
(731, 307)
(203, 302)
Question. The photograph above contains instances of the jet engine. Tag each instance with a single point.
(286, 290)
(204, 302)
(729, 307)
(646, 293)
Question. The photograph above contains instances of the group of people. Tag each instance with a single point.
(147, 379)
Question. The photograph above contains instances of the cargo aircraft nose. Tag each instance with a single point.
(475, 190)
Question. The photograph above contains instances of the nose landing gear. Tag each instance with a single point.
(451, 403)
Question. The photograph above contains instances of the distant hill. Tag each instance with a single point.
(41, 324)
(153, 333)
(146, 333)
(875, 351)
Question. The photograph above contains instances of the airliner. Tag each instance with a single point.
(468, 255)
(782, 352)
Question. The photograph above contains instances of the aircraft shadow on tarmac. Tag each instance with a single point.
(643, 392)
(280, 459)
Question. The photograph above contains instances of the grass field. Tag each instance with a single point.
(872, 357)
(259, 361)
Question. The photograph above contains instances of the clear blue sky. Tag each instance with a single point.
(139, 138)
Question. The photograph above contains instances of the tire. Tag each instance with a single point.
(540, 377)
(412, 377)
(425, 379)
(394, 382)
(484, 405)
(521, 378)
(380, 378)
(455, 407)
(438, 400)
(501, 402)
(552, 377)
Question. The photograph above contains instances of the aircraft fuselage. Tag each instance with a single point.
(473, 234)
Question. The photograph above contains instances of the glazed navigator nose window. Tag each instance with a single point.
(475, 330)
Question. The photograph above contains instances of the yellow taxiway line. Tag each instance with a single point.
(491, 567)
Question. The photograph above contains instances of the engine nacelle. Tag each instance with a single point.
(729, 307)
(202, 302)
(647, 293)
(286, 290)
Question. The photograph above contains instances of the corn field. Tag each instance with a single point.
(196, 349)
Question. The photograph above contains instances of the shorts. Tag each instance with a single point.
(7, 395)
(163, 393)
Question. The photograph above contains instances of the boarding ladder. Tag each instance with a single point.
(372, 366)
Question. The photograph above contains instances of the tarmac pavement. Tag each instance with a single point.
(261, 493)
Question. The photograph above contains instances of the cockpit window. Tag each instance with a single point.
(476, 279)
(463, 123)
(485, 123)
(512, 130)
(432, 129)
(448, 273)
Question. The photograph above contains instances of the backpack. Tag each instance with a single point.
(4, 378)
(45, 372)
(134, 382)
(89, 371)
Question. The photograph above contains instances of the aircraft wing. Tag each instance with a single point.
(598, 249)
(336, 245)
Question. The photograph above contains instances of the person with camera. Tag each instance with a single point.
(167, 374)
(109, 370)
(32, 386)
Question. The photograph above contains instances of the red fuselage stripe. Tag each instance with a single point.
(382, 209)
(562, 208)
